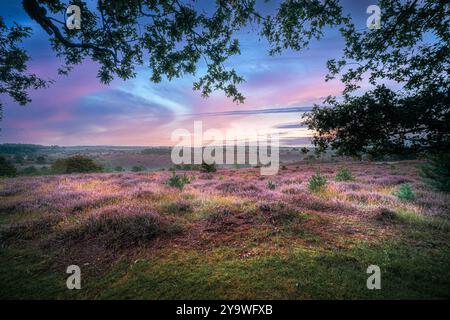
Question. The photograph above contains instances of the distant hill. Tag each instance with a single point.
(17, 148)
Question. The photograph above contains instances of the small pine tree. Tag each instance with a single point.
(317, 182)
(270, 185)
(405, 192)
(178, 181)
(208, 167)
(344, 174)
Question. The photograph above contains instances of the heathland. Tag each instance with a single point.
(231, 233)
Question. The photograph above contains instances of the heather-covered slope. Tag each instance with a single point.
(228, 234)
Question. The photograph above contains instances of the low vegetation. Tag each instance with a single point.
(6, 168)
(75, 164)
(317, 182)
(226, 236)
(344, 174)
(436, 172)
(206, 167)
(178, 181)
(405, 192)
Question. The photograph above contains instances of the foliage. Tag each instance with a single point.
(383, 122)
(405, 192)
(13, 148)
(317, 182)
(75, 164)
(206, 167)
(271, 185)
(436, 172)
(137, 169)
(344, 174)
(29, 171)
(40, 160)
(178, 181)
(414, 118)
(14, 80)
(18, 158)
(6, 168)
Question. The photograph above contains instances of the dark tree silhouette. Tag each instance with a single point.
(172, 37)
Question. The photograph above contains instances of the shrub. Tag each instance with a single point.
(178, 181)
(317, 182)
(118, 168)
(177, 207)
(75, 164)
(119, 228)
(40, 160)
(344, 174)
(405, 192)
(385, 215)
(6, 168)
(277, 213)
(137, 169)
(219, 215)
(436, 172)
(208, 167)
(29, 171)
(45, 170)
(270, 185)
(18, 158)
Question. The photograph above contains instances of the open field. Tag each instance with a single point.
(225, 235)
(112, 157)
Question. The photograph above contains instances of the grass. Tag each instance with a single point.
(222, 273)
(418, 221)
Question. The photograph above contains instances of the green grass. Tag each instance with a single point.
(26, 274)
(421, 222)
(222, 273)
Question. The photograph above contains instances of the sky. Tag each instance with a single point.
(78, 110)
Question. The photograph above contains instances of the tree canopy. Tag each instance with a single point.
(172, 37)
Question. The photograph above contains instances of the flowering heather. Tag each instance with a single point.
(99, 218)
(119, 225)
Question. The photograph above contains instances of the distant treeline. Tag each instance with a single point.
(18, 148)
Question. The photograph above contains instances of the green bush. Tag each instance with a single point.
(6, 168)
(317, 182)
(137, 169)
(405, 192)
(18, 158)
(40, 160)
(208, 167)
(436, 172)
(344, 174)
(75, 164)
(29, 171)
(271, 185)
(178, 181)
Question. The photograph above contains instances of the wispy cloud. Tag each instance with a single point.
(255, 111)
(290, 125)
